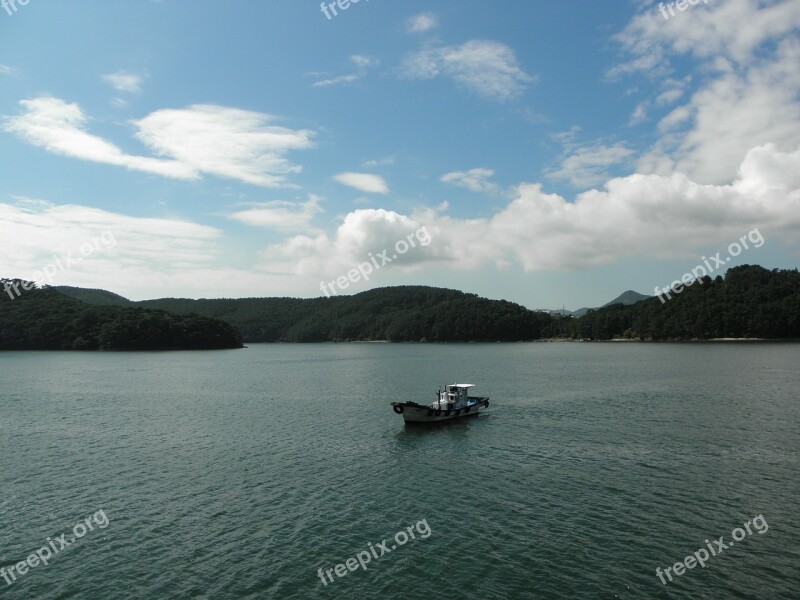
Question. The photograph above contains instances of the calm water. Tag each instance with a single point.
(238, 474)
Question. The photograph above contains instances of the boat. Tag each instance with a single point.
(453, 402)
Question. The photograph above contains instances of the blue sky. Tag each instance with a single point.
(554, 153)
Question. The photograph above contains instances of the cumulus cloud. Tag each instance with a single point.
(200, 139)
(747, 88)
(734, 29)
(708, 136)
(485, 67)
(635, 216)
(364, 182)
(363, 232)
(641, 216)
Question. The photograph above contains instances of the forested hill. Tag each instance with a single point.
(398, 314)
(44, 319)
(93, 296)
(749, 301)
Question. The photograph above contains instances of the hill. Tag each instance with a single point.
(628, 297)
(749, 302)
(94, 296)
(398, 314)
(44, 319)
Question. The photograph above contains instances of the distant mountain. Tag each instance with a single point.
(93, 296)
(627, 298)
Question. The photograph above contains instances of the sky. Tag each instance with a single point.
(549, 153)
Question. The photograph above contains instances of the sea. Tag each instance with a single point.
(601, 470)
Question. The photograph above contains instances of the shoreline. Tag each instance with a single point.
(552, 341)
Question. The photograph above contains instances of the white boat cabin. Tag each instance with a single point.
(455, 395)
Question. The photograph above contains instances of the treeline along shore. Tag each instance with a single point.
(749, 302)
(45, 319)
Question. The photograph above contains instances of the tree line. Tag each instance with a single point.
(749, 301)
(44, 319)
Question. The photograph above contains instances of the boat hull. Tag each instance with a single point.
(415, 413)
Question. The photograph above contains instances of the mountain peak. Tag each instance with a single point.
(628, 297)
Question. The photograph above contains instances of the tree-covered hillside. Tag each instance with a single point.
(94, 296)
(44, 319)
(749, 301)
(398, 314)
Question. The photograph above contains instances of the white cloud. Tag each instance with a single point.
(291, 217)
(639, 114)
(362, 232)
(589, 165)
(200, 139)
(488, 68)
(362, 63)
(653, 63)
(122, 81)
(635, 216)
(734, 29)
(640, 216)
(33, 232)
(5, 69)
(673, 92)
(709, 136)
(747, 90)
(340, 80)
(422, 22)
(58, 127)
(364, 182)
(567, 137)
(476, 180)
(228, 142)
(379, 162)
(151, 257)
